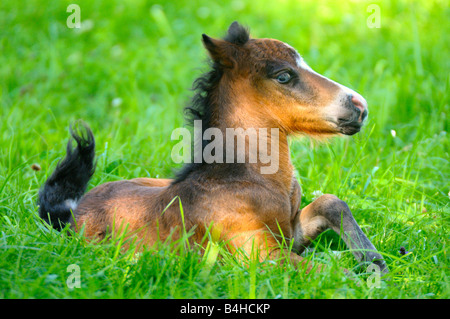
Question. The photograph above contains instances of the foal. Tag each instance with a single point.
(253, 83)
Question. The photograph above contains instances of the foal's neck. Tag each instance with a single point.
(237, 116)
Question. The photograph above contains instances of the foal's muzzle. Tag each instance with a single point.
(357, 112)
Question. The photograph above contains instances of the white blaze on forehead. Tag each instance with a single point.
(302, 64)
(334, 106)
(298, 59)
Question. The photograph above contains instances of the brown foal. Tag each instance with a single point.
(260, 84)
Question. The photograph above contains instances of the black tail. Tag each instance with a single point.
(60, 194)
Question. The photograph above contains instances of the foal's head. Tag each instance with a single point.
(270, 84)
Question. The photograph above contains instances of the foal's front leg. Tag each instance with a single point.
(328, 211)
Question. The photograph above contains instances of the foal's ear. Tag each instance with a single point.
(221, 51)
(225, 52)
(237, 34)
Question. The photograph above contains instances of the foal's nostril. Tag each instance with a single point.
(359, 102)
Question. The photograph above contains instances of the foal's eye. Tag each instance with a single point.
(283, 78)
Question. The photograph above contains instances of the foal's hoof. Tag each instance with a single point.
(381, 264)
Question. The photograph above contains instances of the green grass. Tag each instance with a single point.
(148, 55)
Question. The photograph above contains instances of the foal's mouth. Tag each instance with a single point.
(350, 128)
(351, 125)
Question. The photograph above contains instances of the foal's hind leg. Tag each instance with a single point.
(328, 211)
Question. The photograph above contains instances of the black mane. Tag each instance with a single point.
(201, 105)
(200, 108)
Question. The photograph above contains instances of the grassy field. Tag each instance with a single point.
(128, 73)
